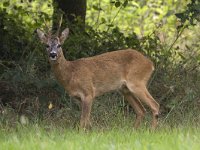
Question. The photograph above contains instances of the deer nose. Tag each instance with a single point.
(53, 54)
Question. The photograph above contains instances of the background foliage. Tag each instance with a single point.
(165, 31)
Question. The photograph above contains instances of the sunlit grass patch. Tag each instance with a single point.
(41, 137)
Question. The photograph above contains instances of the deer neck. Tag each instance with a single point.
(61, 69)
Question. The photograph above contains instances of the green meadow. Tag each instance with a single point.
(37, 138)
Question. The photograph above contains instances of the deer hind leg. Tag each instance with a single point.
(136, 105)
(141, 92)
(86, 105)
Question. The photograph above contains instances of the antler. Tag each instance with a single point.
(59, 25)
(47, 27)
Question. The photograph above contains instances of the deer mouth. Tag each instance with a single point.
(53, 56)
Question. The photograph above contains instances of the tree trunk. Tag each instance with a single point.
(71, 9)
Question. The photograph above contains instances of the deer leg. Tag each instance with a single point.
(141, 92)
(85, 114)
(137, 106)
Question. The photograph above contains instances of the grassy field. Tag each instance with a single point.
(108, 133)
(37, 137)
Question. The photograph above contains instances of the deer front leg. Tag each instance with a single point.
(85, 114)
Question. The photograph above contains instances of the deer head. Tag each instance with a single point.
(53, 43)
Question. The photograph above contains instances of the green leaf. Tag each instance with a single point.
(181, 55)
(110, 25)
(117, 4)
(135, 4)
(125, 3)
(6, 4)
(96, 7)
(112, 2)
(182, 17)
(103, 20)
(179, 15)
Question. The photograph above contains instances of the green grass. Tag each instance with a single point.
(36, 137)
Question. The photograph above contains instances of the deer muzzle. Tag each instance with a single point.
(53, 56)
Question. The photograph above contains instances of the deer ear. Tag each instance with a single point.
(42, 35)
(64, 35)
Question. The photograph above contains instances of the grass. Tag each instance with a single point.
(37, 137)
(109, 132)
(112, 130)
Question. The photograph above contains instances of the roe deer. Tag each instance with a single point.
(125, 70)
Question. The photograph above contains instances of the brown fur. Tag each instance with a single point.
(124, 70)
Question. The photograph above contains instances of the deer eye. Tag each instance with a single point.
(59, 45)
(47, 46)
